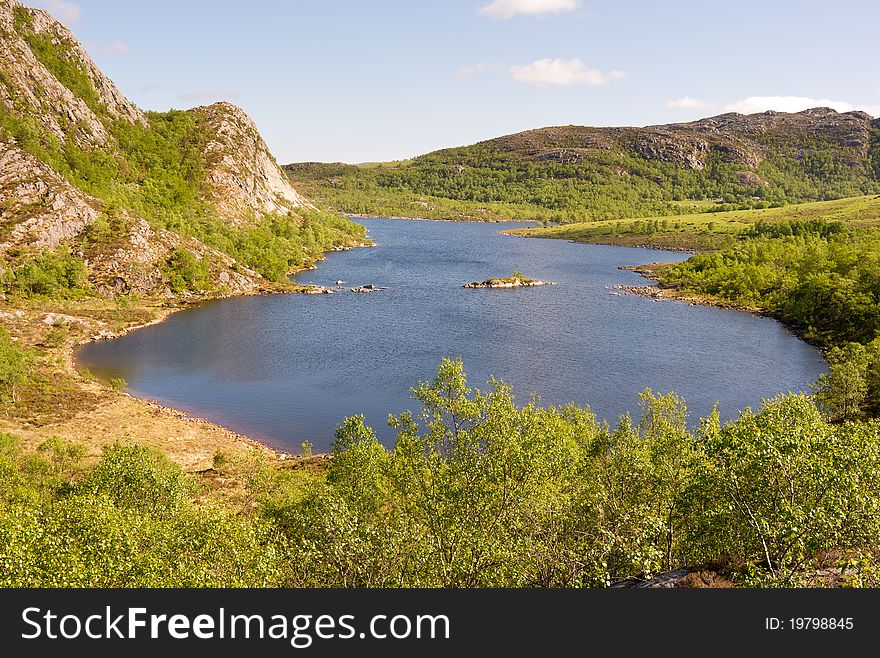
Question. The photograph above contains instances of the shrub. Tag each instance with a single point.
(185, 272)
(139, 478)
(15, 365)
(50, 274)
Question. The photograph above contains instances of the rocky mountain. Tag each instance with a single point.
(166, 203)
(578, 173)
(746, 140)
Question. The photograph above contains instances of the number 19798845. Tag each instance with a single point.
(809, 623)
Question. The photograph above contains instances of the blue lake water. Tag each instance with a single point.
(286, 368)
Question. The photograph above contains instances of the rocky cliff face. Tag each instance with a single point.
(28, 87)
(53, 96)
(244, 177)
(40, 210)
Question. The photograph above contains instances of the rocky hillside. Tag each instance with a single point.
(134, 202)
(745, 140)
(578, 173)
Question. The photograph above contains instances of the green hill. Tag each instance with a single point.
(576, 173)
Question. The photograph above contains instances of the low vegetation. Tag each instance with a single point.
(819, 276)
(709, 230)
(49, 275)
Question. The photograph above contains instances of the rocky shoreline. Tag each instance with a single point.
(655, 291)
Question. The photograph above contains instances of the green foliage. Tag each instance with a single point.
(781, 485)
(851, 388)
(118, 384)
(186, 272)
(817, 275)
(103, 230)
(477, 491)
(497, 180)
(129, 523)
(140, 478)
(57, 274)
(64, 457)
(15, 365)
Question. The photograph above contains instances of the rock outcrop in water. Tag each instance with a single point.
(508, 282)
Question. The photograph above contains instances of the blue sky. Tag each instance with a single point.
(358, 80)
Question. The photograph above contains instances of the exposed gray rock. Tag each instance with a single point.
(245, 179)
(31, 89)
(38, 207)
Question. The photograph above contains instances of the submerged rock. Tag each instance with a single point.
(318, 290)
(367, 288)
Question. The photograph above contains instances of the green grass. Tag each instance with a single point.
(706, 231)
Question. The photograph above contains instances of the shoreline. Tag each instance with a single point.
(221, 437)
(459, 220)
(605, 243)
(655, 291)
(88, 411)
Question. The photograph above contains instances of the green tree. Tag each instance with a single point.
(844, 389)
(15, 365)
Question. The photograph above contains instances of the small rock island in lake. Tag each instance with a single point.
(515, 281)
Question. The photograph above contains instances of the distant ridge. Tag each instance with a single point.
(579, 173)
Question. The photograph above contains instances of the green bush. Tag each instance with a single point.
(476, 491)
(50, 274)
(118, 383)
(185, 272)
(15, 366)
(139, 478)
(817, 275)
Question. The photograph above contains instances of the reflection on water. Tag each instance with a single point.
(287, 368)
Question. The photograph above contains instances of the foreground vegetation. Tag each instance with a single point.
(477, 491)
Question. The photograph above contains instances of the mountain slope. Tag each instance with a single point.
(144, 202)
(577, 173)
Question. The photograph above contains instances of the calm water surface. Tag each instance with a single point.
(286, 368)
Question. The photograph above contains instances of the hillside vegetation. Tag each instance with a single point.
(708, 231)
(576, 174)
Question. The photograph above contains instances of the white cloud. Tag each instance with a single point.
(208, 95)
(63, 10)
(754, 104)
(504, 9)
(468, 72)
(688, 103)
(562, 73)
(115, 48)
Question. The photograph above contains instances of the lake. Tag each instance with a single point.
(289, 368)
